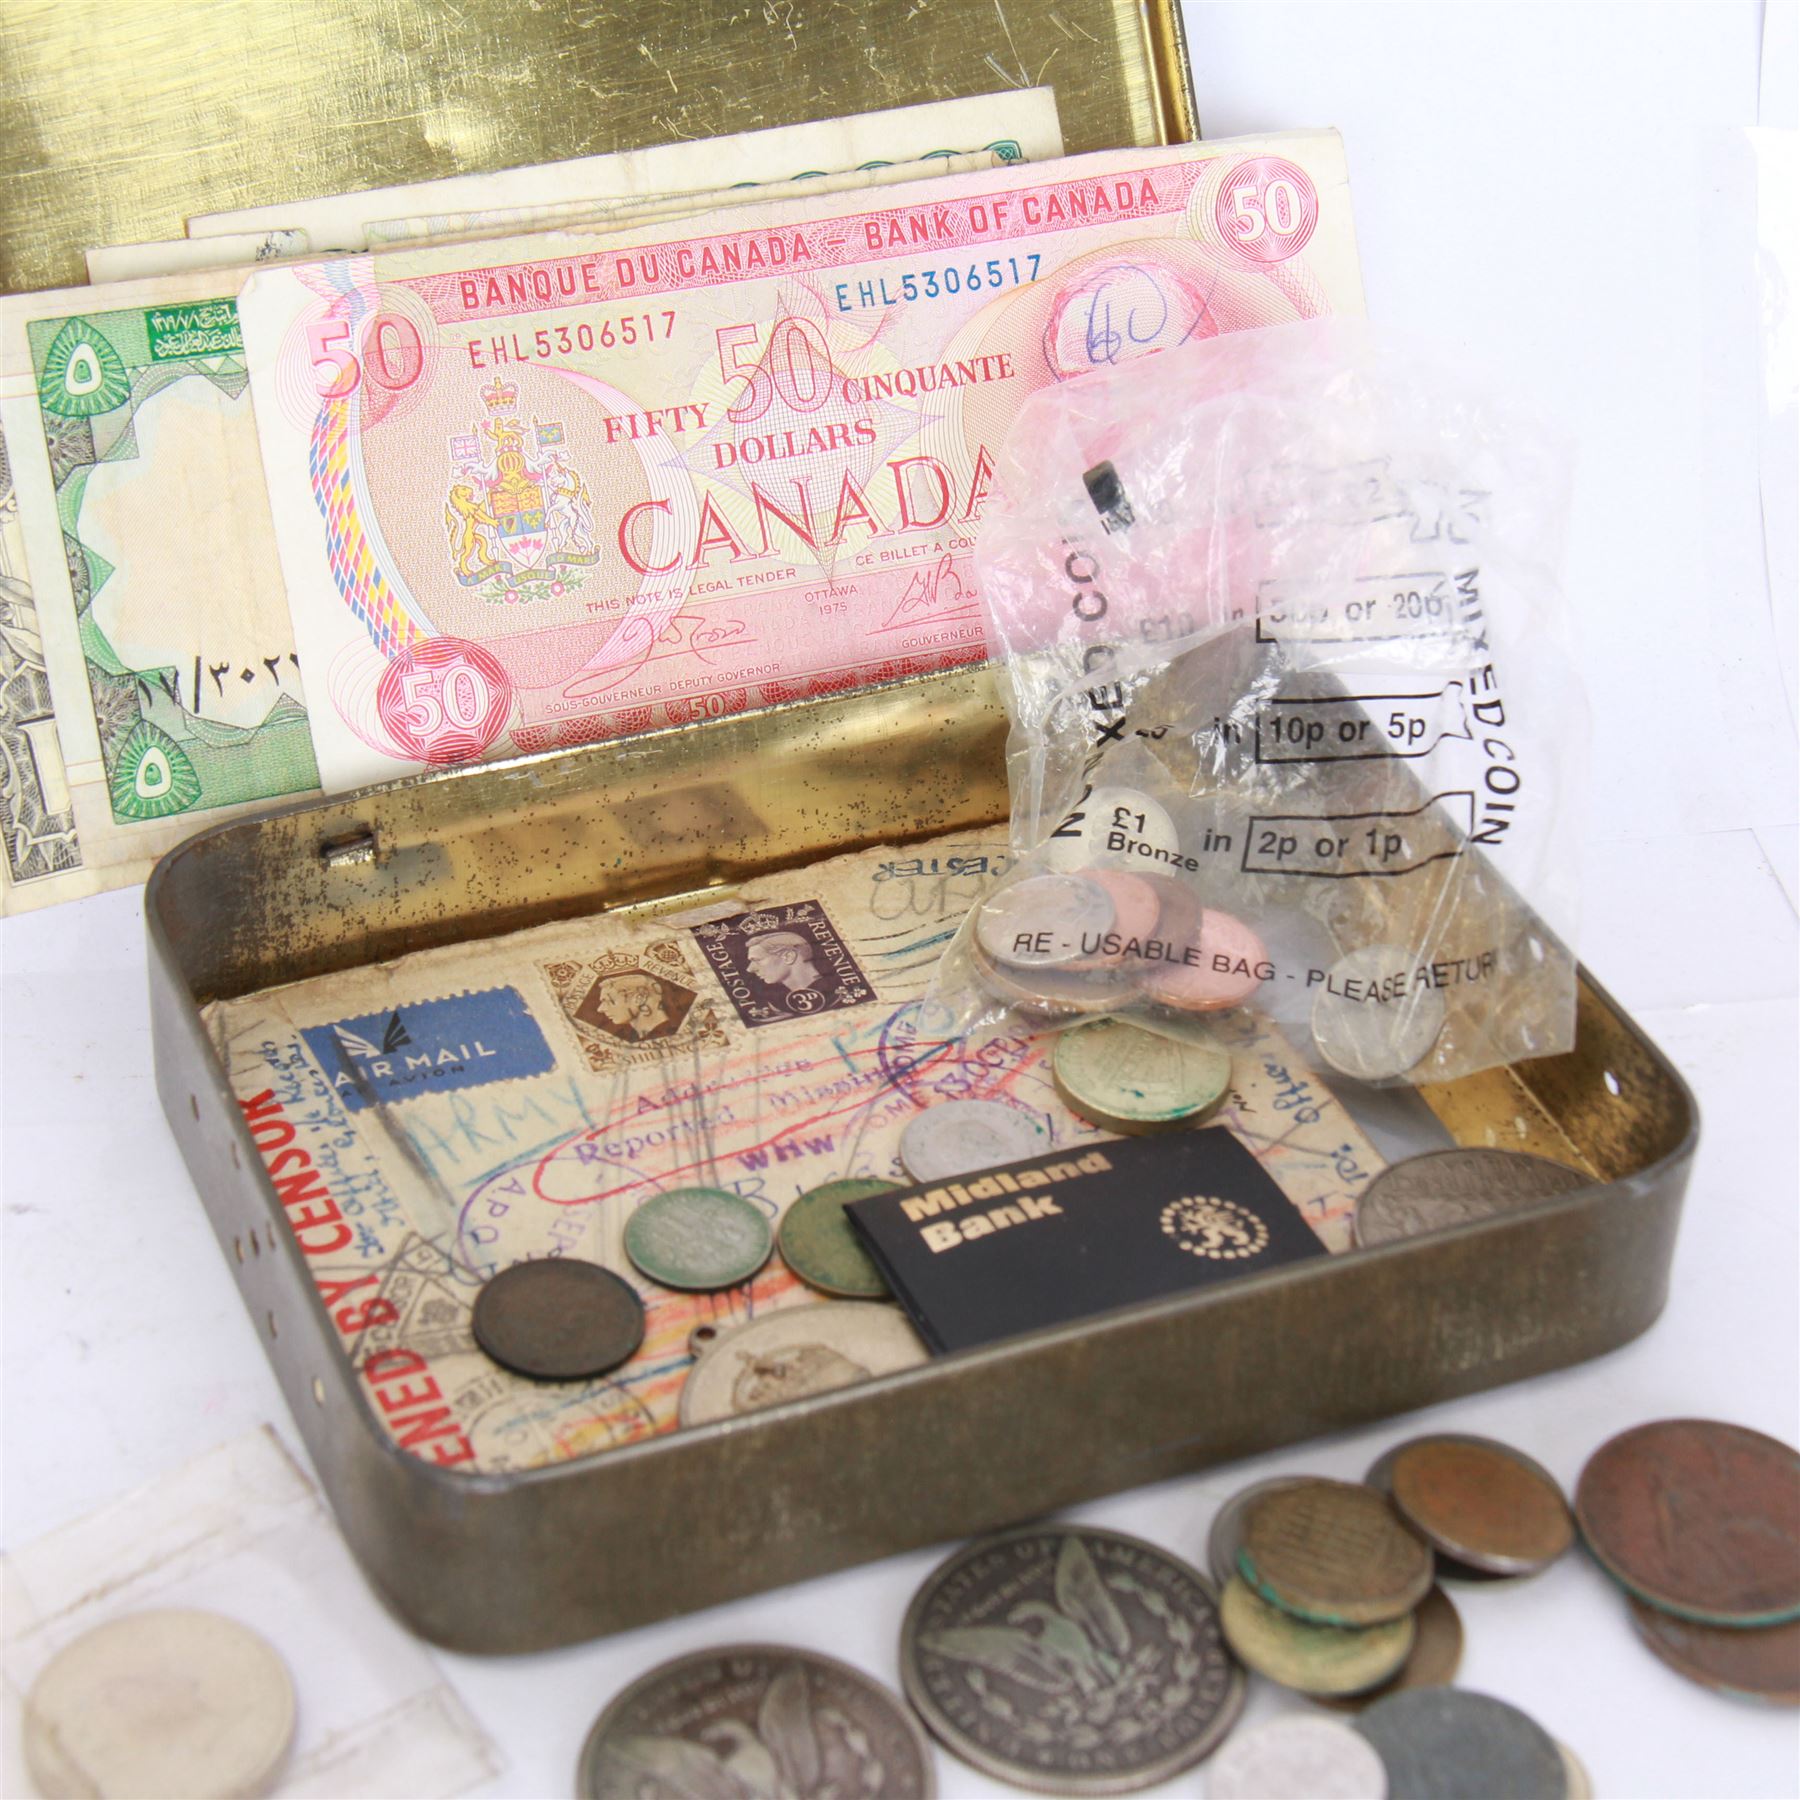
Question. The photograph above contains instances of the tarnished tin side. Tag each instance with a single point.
(483, 1563)
(118, 124)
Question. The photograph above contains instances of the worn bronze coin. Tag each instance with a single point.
(1381, 1475)
(558, 1319)
(1070, 1660)
(1445, 1743)
(1483, 1504)
(1760, 1662)
(820, 1244)
(1435, 1656)
(1441, 1188)
(1335, 1553)
(755, 1719)
(1699, 1518)
(1226, 1538)
(1312, 1659)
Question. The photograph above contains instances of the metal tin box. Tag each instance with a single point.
(483, 1563)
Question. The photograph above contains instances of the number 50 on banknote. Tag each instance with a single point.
(537, 492)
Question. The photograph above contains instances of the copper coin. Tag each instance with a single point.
(1435, 1657)
(1699, 1518)
(1334, 1553)
(558, 1319)
(1759, 1663)
(1381, 1475)
(1482, 1504)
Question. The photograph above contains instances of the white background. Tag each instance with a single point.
(1566, 195)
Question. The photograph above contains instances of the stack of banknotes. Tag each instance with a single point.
(341, 490)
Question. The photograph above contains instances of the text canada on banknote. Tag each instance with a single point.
(536, 492)
(149, 682)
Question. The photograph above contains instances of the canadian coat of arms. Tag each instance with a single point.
(520, 521)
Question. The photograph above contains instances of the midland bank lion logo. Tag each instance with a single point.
(520, 522)
(1218, 1230)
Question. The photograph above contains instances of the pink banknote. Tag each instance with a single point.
(538, 492)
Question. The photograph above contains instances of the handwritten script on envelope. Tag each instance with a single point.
(431, 1121)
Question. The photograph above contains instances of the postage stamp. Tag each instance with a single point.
(460, 1041)
(783, 962)
(633, 1006)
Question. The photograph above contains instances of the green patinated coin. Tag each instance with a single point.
(698, 1239)
(821, 1246)
(1322, 1660)
(1125, 1079)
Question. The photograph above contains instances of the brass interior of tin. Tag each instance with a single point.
(117, 123)
(444, 859)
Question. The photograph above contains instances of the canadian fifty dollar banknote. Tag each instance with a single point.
(149, 677)
(537, 491)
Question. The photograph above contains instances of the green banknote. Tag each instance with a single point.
(159, 606)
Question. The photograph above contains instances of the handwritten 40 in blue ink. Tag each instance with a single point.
(461, 1041)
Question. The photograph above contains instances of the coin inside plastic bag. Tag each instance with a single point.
(1367, 1022)
(1043, 921)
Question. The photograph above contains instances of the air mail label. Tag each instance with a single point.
(460, 1041)
(1059, 1237)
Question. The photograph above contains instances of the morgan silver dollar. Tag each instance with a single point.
(1069, 1660)
(756, 1720)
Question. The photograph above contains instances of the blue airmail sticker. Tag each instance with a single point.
(429, 1046)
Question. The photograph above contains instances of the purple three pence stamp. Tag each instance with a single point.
(784, 962)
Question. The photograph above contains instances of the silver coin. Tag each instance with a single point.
(1070, 1660)
(1443, 1188)
(1044, 921)
(1297, 1757)
(1226, 1538)
(1369, 1020)
(798, 1351)
(1116, 827)
(165, 1702)
(1445, 1743)
(957, 1137)
(755, 1719)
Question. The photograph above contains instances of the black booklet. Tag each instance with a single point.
(1076, 1232)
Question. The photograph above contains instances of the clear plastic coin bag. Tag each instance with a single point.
(1294, 726)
